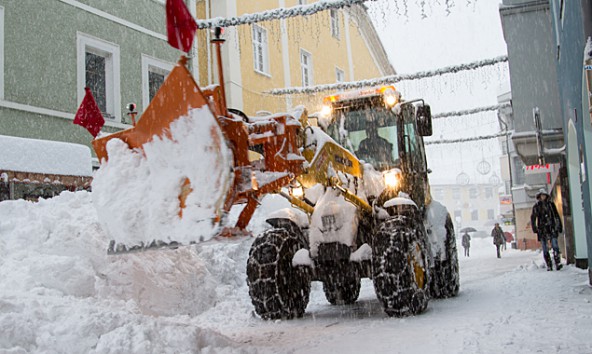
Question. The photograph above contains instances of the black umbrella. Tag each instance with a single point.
(468, 229)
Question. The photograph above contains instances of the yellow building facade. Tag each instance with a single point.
(328, 47)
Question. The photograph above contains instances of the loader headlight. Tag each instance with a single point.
(297, 192)
(326, 110)
(390, 98)
(392, 178)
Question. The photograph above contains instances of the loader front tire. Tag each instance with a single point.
(277, 289)
(400, 267)
(445, 279)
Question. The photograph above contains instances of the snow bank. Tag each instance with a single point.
(44, 156)
(136, 193)
(61, 292)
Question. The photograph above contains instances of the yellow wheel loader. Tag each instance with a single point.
(369, 213)
(359, 186)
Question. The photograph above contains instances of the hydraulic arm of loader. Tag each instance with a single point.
(275, 136)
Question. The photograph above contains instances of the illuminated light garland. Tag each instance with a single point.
(466, 140)
(467, 112)
(278, 13)
(386, 80)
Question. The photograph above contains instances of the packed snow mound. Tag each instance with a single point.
(57, 279)
(136, 192)
(44, 156)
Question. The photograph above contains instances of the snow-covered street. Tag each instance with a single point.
(61, 293)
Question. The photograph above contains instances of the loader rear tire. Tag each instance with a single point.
(277, 289)
(445, 279)
(342, 285)
(400, 267)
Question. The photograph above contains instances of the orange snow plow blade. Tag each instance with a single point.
(172, 179)
(176, 96)
(164, 182)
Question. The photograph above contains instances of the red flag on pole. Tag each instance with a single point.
(181, 26)
(89, 115)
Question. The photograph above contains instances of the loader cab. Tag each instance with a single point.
(385, 133)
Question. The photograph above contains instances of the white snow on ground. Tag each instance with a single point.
(61, 293)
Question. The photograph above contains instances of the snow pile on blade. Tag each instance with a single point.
(137, 193)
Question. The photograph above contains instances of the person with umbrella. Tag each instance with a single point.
(466, 239)
(545, 222)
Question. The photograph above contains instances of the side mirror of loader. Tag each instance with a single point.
(424, 120)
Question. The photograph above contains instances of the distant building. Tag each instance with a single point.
(471, 205)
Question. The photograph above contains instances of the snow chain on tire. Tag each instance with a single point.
(400, 267)
(277, 290)
(445, 278)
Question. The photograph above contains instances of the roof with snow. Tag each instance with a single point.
(43, 156)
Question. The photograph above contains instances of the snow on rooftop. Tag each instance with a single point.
(44, 156)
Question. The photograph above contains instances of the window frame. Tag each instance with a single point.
(149, 63)
(309, 66)
(264, 48)
(337, 72)
(474, 215)
(335, 27)
(111, 52)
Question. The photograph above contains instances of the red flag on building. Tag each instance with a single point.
(89, 115)
(181, 26)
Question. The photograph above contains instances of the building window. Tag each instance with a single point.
(335, 23)
(1, 53)
(301, 2)
(473, 193)
(475, 215)
(488, 192)
(98, 69)
(339, 75)
(306, 66)
(456, 193)
(490, 214)
(260, 50)
(154, 71)
(96, 77)
(457, 214)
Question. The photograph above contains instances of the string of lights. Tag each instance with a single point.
(391, 79)
(278, 13)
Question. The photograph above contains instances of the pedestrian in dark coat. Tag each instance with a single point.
(498, 238)
(466, 243)
(545, 222)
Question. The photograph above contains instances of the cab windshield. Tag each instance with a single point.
(371, 133)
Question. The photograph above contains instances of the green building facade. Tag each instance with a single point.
(50, 50)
